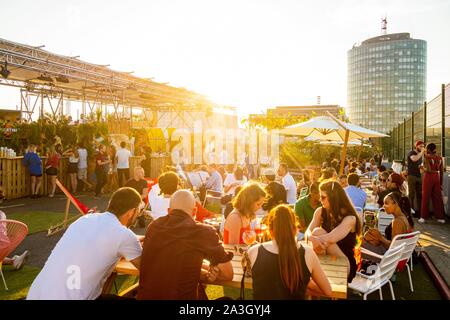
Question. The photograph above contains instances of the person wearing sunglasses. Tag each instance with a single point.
(395, 183)
(380, 185)
(335, 226)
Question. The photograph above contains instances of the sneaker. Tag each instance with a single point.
(51, 195)
(421, 220)
(20, 260)
(441, 221)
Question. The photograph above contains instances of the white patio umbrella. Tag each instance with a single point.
(330, 128)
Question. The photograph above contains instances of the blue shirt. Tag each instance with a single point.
(33, 162)
(356, 195)
(215, 182)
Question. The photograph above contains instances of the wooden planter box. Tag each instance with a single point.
(15, 178)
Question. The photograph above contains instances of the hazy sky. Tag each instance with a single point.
(251, 54)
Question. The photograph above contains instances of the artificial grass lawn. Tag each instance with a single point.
(18, 281)
(38, 221)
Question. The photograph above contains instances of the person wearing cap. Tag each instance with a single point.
(414, 179)
(269, 175)
(174, 248)
(84, 257)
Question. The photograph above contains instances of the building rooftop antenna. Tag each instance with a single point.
(384, 25)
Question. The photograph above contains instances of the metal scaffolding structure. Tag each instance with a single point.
(44, 77)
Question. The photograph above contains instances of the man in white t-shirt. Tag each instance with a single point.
(288, 182)
(87, 253)
(123, 164)
(83, 165)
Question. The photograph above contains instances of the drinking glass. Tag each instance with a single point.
(249, 237)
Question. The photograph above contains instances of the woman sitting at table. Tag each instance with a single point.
(394, 183)
(400, 208)
(380, 185)
(283, 268)
(335, 226)
(246, 203)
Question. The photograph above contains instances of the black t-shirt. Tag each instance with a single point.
(413, 167)
(138, 185)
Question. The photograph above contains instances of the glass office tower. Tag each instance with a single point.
(386, 80)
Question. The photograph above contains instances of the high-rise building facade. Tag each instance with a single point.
(386, 80)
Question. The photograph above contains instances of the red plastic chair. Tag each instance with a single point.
(12, 233)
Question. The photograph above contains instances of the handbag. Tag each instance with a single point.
(247, 272)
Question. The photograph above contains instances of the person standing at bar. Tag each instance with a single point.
(123, 164)
(101, 160)
(414, 177)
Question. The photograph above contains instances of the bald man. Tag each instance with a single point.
(174, 248)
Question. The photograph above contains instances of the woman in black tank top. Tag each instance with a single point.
(336, 227)
(279, 268)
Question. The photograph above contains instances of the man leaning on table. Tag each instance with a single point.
(174, 248)
(86, 254)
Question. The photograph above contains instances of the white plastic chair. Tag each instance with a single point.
(410, 242)
(384, 220)
(385, 270)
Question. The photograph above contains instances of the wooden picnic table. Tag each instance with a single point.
(335, 269)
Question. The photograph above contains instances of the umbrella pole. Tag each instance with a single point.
(344, 152)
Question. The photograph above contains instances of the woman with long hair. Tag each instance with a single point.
(398, 206)
(335, 227)
(247, 202)
(72, 168)
(379, 185)
(283, 268)
(51, 169)
(433, 168)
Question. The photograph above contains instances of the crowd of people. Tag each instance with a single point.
(107, 166)
(324, 210)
